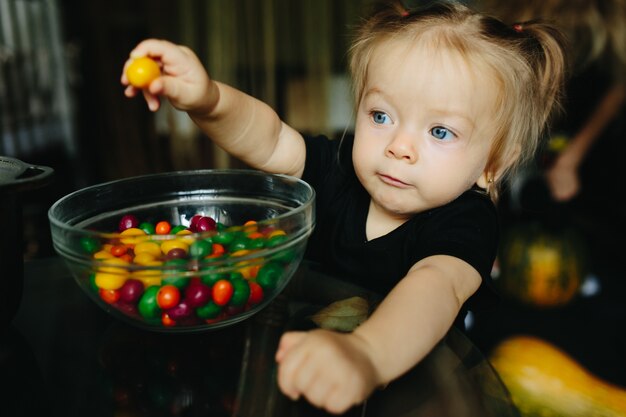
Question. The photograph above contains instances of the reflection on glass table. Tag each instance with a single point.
(63, 356)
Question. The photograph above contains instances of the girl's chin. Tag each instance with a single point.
(396, 209)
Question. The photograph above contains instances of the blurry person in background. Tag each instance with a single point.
(581, 165)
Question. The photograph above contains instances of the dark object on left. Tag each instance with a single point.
(16, 177)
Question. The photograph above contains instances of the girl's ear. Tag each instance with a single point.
(485, 180)
(493, 172)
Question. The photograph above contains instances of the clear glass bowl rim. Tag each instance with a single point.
(74, 229)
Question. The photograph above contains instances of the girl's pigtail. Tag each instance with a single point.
(545, 48)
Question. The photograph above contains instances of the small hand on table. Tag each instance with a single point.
(331, 370)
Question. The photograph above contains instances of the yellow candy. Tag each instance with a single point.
(112, 277)
(276, 232)
(109, 281)
(168, 245)
(118, 266)
(133, 236)
(149, 281)
(247, 270)
(151, 248)
(184, 238)
(149, 277)
(145, 258)
(103, 254)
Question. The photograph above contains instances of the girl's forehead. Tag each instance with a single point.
(403, 54)
(403, 63)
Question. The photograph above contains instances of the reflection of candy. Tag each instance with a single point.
(204, 224)
(169, 280)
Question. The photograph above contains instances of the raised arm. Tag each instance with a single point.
(245, 127)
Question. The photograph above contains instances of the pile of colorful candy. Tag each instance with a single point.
(186, 275)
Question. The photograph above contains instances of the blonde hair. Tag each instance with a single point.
(527, 62)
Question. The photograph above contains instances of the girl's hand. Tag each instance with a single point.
(183, 81)
(331, 370)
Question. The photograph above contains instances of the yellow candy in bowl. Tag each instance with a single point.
(188, 250)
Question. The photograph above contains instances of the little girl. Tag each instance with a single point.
(447, 103)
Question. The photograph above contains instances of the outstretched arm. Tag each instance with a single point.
(563, 175)
(337, 370)
(245, 127)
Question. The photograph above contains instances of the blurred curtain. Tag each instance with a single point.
(284, 52)
(60, 63)
(35, 105)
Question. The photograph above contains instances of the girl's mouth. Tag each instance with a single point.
(394, 182)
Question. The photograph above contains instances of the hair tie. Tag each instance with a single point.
(518, 27)
(404, 13)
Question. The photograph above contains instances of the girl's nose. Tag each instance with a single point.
(402, 147)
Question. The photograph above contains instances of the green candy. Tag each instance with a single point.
(269, 275)
(92, 282)
(209, 277)
(241, 292)
(285, 256)
(276, 240)
(224, 238)
(208, 311)
(90, 245)
(177, 229)
(256, 244)
(200, 248)
(174, 269)
(148, 307)
(148, 228)
(240, 243)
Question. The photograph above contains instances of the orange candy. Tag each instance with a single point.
(163, 228)
(142, 71)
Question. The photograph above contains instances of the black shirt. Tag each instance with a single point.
(466, 228)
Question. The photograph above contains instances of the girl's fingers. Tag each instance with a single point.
(130, 91)
(152, 101)
(292, 370)
(164, 52)
(150, 47)
(319, 393)
(287, 341)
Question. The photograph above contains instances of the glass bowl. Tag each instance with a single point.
(188, 250)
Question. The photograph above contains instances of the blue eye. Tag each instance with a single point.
(441, 133)
(380, 118)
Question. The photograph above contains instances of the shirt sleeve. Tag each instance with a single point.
(467, 229)
(321, 155)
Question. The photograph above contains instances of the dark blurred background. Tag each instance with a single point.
(62, 105)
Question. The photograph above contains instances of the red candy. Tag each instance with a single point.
(194, 221)
(131, 291)
(109, 296)
(168, 296)
(198, 294)
(150, 292)
(127, 222)
(205, 224)
(222, 292)
(163, 228)
(181, 311)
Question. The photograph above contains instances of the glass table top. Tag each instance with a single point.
(64, 356)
